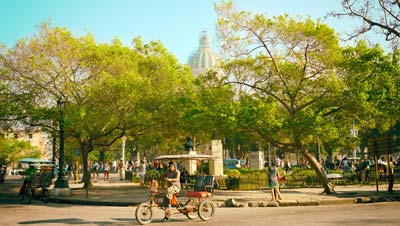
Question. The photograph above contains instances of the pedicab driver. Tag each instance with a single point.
(173, 182)
(29, 175)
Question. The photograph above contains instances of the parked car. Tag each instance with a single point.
(234, 163)
(16, 171)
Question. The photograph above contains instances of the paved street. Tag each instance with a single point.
(121, 193)
(62, 214)
(317, 209)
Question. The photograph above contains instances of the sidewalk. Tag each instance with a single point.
(121, 193)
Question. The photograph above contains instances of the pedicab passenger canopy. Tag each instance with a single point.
(189, 160)
(36, 162)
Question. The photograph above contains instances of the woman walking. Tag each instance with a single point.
(106, 170)
(273, 183)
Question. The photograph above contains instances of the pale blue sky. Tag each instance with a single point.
(176, 23)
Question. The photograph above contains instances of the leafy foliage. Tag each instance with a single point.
(11, 150)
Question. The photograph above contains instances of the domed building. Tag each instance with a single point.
(203, 59)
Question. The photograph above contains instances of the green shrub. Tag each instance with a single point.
(150, 174)
(232, 173)
(302, 172)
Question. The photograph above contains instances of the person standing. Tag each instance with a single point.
(73, 170)
(367, 168)
(390, 173)
(346, 165)
(287, 166)
(273, 183)
(114, 166)
(106, 170)
(142, 174)
(121, 168)
(95, 169)
(336, 163)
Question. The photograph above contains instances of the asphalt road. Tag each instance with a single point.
(61, 214)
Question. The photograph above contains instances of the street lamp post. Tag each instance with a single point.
(122, 173)
(53, 159)
(62, 181)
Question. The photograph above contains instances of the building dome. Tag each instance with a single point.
(203, 59)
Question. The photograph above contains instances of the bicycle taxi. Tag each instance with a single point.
(192, 204)
(40, 180)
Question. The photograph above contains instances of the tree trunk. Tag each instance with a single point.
(328, 186)
(85, 150)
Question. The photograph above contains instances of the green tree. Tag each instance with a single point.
(11, 150)
(291, 63)
(48, 68)
(209, 111)
(372, 96)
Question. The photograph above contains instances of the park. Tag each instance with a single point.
(282, 91)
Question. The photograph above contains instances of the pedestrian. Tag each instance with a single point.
(121, 168)
(106, 170)
(142, 174)
(95, 169)
(73, 170)
(278, 161)
(114, 166)
(346, 165)
(287, 166)
(69, 171)
(156, 165)
(336, 163)
(101, 167)
(367, 168)
(273, 183)
(390, 173)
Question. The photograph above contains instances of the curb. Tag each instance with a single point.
(290, 203)
(344, 201)
(373, 199)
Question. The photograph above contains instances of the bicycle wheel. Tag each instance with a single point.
(21, 194)
(25, 196)
(191, 214)
(206, 210)
(191, 210)
(45, 196)
(144, 213)
(28, 196)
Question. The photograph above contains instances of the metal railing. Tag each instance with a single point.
(249, 182)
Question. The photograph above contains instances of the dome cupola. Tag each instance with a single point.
(203, 59)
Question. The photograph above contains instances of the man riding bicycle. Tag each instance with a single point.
(174, 187)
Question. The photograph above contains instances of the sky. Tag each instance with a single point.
(176, 23)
